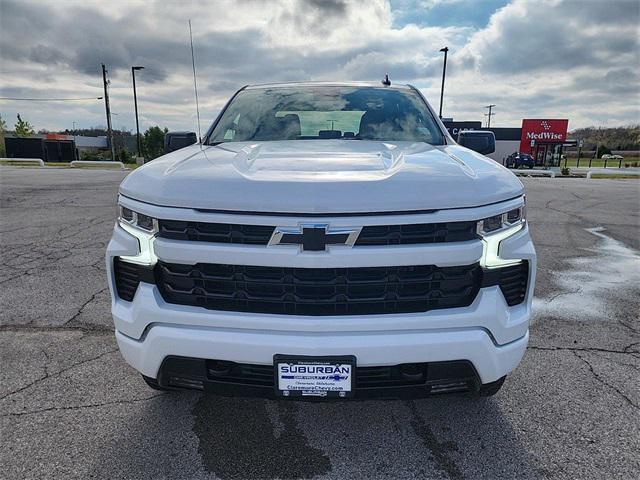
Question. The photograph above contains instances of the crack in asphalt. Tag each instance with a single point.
(64, 248)
(585, 349)
(84, 305)
(628, 347)
(56, 374)
(85, 406)
(570, 214)
(560, 294)
(626, 325)
(616, 361)
(604, 382)
(46, 363)
(85, 328)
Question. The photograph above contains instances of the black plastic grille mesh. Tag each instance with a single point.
(319, 291)
(127, 278)
(215, 232)
(370, 235)
(417, 234)
(513, 283)
(366, 377)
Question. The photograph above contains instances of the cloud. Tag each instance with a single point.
(533, 58)
(549, 35)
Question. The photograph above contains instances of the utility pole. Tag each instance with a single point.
(135, 103)
(488, 115)
(444, 72)
(106, 106)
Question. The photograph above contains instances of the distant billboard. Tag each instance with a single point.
(537, 131)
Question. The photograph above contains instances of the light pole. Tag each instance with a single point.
(444, 72)
(135, 103)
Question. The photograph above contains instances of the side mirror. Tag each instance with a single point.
(479, 141)
(176, 140)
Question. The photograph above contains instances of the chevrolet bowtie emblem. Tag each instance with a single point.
(314, 237)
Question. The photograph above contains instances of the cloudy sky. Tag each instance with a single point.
(576, 59)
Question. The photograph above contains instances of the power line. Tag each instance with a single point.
(50, 99)
(489, 115)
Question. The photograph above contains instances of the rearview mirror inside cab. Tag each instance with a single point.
(479, 141)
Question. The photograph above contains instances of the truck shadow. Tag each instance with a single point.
(189, 435)
(451, 436)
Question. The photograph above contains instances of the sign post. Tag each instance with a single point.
(580, 143)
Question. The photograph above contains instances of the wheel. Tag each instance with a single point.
(490, 389)
(530, 167)
(153, 383)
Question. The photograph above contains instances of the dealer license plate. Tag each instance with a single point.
(314, 376)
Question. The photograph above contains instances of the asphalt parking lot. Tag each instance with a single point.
(71, 408)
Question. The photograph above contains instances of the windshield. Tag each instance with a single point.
(327, 112)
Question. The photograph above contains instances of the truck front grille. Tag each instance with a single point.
(319, 291)
(215, 232)
(417, 233)
(410, 234)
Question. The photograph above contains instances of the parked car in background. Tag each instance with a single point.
(519, 160)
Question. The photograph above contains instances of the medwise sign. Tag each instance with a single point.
(539, 131)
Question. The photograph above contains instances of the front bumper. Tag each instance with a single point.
(441, 335)
(488, 333)
(490, 361)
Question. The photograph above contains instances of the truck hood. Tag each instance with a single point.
(322, 176)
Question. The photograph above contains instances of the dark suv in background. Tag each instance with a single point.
(519, 160)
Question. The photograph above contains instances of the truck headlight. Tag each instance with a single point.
(496, 223)
(496, 228)
(144, 228)
(138, 220)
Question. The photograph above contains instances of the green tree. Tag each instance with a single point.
(3, 128)
(602, 150)
(125, 156)
(153, 142)
(23, 128)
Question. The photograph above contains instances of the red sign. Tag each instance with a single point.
(535, 132)
(56, 136)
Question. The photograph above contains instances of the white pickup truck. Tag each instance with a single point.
(323, 240)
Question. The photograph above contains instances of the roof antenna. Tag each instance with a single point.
(195, 85)
(386, 82)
